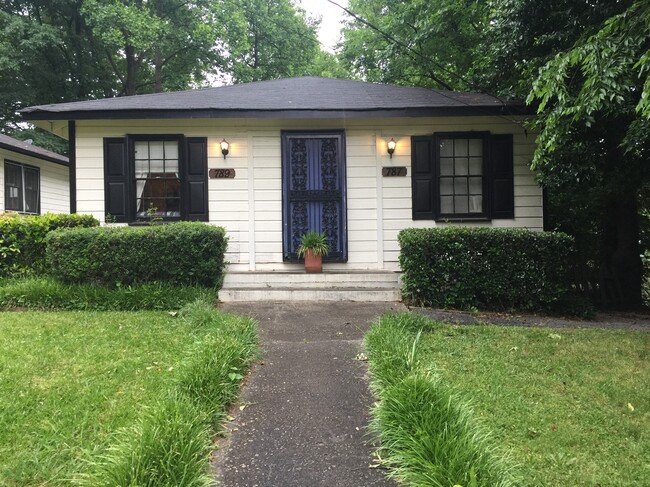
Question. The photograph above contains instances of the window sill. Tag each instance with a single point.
(149, 224)
(463, 219)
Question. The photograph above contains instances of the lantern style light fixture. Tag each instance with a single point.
(391, 147)
(224, 147)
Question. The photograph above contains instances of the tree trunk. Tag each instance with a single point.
(622, 250)
(131, 71)
(158, 58)
(157, 87)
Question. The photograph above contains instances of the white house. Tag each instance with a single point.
(32, 180)
(302, 153)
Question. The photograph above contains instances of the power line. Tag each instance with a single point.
(433, 62)
(392, 39)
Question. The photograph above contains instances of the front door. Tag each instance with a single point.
(313, 191)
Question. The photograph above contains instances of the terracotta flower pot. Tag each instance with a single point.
(313, 263)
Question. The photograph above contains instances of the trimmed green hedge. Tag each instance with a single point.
(178, 253)
(487, 268)
(22, 239)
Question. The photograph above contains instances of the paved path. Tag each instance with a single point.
(611, 321)
(306, 402)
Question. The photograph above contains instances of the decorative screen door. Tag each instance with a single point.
(313, 191)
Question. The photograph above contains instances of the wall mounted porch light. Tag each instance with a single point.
(224, 147)
(391, 147)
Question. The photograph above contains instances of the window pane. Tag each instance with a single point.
(462, 166)
(476, 185)
(460, 186)
(446, 204)
(460, 147)
(476, 165)
(156, 150)
(157, 167)
(446, 186)
(460, 204)
(141, 168)
(13, 175)
(171, 166)
(141, 150)
(446, 148)
(31, 190)
(171, 150)
(446, 166)
(475, 204)
(476, 147)
(13, 187)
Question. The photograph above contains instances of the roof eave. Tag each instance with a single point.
(129, 114)
(31, 153)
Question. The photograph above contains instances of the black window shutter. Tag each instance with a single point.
(197, 179)
(116, 180)
(422, 179)
(501, 177)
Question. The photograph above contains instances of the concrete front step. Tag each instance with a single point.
(293, 294)
(302, 280)
(300, 286)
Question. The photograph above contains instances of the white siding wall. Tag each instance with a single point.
(55, 190)
(250, 206)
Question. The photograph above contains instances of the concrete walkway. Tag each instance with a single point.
(306, 402)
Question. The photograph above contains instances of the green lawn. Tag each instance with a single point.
(571, 406)
(70, 380)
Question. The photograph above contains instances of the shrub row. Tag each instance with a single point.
(22, 239)
(487, 268)
(42, 293)
(170, 445)
(184, 253)
(428, 434)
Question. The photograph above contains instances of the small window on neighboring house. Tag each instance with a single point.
(462, 176)
(22, 188)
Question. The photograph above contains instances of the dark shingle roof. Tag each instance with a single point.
(24, 148)
(279, 98)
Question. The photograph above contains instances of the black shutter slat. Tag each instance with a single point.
(502, 177)
(116, 179)
(422, 190)
(197, 179)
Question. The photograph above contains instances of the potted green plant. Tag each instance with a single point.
(313, 246)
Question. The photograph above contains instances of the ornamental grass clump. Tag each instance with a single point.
(428, 435)
(170, 445)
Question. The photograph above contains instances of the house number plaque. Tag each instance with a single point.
(227, 173)
(389, 172)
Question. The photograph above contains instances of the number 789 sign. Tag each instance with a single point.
(224, 173)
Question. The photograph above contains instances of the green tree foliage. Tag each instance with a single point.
(266, 39)
(48, 54)
(523, 35)
(155, 45)
(328, 65)
(428, 43)
(584, 63)
(594, 121)
(69, 50)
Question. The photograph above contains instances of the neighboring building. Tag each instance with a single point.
(32, 180)
(304, 153)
